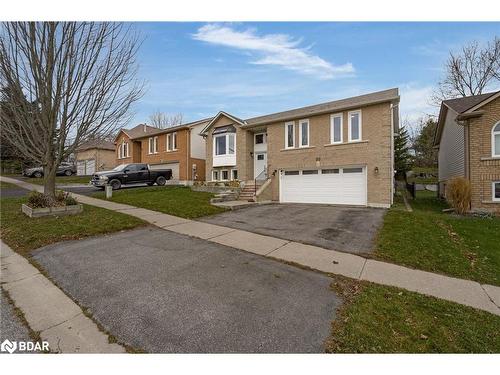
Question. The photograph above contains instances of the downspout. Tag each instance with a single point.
(392, 106)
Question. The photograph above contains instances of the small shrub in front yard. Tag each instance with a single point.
(40, 200)
(458, 194)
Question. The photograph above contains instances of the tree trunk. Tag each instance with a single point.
(49, 183)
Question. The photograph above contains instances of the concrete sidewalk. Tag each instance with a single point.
(465, 292)
(48, 310)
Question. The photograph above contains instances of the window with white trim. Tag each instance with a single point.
(153, 145)
(355, 126)
(495, 140)
(224, 175)
(289, 134)
(215, 175)
(224, 144)
(495, 187)
(123, 151)
(172, 141)
(234, 174)
(336, 128)
(304, 133)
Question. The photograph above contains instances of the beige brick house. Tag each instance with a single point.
(340, 152)
(468, 139)
(179, 148)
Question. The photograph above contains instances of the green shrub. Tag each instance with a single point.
(458, 194)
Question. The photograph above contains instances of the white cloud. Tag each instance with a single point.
(415, 102)
(273, 49)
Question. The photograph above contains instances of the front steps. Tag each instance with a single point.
(248, 192)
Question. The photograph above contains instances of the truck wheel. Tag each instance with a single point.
(38, 174)
(160, 181)
(68, 172)
(115, 184)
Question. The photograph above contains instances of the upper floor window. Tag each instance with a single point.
(172, 141)
(289, 134)
(354, 128)
(495, 140)
(153, 145)
(123, 151)
(224, 144)
(304, 133)
(336, 128)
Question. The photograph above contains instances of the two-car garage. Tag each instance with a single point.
(345, 185)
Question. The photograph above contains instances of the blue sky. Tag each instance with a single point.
(249, 69)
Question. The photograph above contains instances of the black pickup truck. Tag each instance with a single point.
(131, 174)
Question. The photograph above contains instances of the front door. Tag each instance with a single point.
(260, 163)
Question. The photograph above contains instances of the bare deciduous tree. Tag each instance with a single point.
(163, 120)
(470, 71)
(67, 82)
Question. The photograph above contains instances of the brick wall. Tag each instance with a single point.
(483, 168)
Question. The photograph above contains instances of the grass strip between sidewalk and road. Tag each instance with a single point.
(381, 319)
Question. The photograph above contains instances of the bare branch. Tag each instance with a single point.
(163, 120)
(64, 83)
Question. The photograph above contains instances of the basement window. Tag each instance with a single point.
(496, 191)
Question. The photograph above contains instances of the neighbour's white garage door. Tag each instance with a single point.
(85, 167)
(328, 186)
(173, 166)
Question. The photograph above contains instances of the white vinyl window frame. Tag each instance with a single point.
(332, 128)
(172, 141)
(153, 145)
(493, 198)
(495, 132)
(123, 151)
(360, 123)
(233, 178)
(301, 133)
(228, 136)
(215, 175)
(222, 175)
(287, 129)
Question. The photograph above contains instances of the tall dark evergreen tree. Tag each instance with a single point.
(402, 157)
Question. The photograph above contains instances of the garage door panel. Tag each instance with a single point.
(173, 166)
(328, 188)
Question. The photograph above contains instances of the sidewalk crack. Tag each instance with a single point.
(489, 297)
(362, 269)
(279, 247)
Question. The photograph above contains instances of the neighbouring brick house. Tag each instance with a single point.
(468, 139)
(340, 152)
(179, 148)
(94, 156)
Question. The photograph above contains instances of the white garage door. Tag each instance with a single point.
(85, 167)
(90, 167)
(328, 186)
(173, 166)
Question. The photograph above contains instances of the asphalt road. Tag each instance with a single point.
(164, 292)
(11, 327)
(348, 229)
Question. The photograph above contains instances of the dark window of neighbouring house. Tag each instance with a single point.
(259, 139)
(260, 157)
(496, 191)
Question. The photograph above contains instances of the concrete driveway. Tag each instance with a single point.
(164, 292)
(348, 229)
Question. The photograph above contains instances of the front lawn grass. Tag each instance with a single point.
(173, 200)
(382, 319)
(24, 234)
(7, 185)
(428, 239)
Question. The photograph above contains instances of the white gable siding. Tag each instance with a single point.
(451, 157)
(197, 145)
